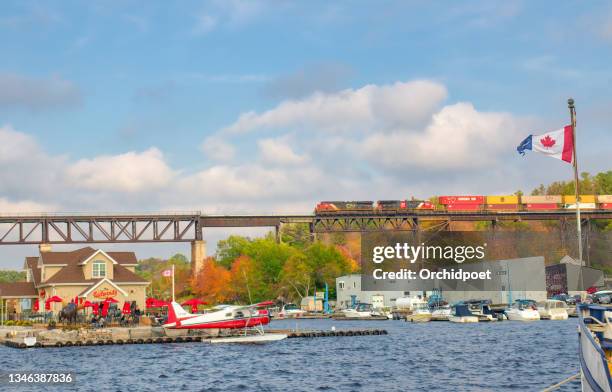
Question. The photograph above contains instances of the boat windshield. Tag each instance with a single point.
(364, 307)
(291, 307)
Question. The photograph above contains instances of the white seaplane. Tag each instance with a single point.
(249, 318)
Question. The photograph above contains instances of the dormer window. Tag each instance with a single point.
(99, 269)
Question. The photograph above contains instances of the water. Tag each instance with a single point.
(441, 356)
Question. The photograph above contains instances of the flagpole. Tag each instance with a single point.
(172, 282)
(572, 108)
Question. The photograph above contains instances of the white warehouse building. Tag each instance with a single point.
(348, 292)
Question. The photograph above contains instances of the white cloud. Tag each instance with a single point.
(458, 136)
(129, 172)
(218, 149)
(277, 152)
(18, 91)
(405, 104)
(23, 207)
(16, 145)
(390, 141)
(25, 168)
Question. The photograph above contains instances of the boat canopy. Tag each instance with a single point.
(461, 310)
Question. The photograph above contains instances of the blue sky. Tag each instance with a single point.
(254, 106)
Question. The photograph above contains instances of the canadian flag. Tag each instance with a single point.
(167, 273)
(556, 144)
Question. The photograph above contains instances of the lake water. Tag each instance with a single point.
(442, 356)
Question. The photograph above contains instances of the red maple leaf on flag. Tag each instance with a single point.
(548, 141)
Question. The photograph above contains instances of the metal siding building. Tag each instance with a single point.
(511, 279)
(349, 287)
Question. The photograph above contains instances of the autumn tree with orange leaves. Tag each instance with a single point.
(212, 283)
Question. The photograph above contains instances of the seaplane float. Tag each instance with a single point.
(250, 319)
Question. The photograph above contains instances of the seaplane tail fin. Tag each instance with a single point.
(175, 314)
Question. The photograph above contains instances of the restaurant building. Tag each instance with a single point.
(85, 274)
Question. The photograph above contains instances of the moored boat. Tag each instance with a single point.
(360, 310)
(552, 309)
(461, 314)
(595, 347)
(523, 310)
(421, 314)
(441, 313)
(481, 309)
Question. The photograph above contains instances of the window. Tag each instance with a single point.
(341, 285)
(99, 269)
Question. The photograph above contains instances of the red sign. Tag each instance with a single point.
(105, 293)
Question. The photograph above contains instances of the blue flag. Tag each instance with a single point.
(525, 145)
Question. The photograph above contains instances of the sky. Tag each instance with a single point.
(236, 106)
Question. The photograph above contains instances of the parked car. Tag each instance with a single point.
(602, 297)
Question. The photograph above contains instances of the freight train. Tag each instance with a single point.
(467, 203)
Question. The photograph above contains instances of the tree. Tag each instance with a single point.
(297, 276)
(246, 281)
(12, 276)
(151, 270)
(212, 283)
(230, 249)
(296, 234)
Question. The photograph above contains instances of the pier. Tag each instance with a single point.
(122, 336)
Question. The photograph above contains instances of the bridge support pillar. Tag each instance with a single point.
(44, 247)
(198, 254)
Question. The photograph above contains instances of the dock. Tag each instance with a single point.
(157, 336)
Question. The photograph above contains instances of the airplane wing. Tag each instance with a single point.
(257, 305)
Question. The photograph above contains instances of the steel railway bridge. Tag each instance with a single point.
(189, 227)
(47, 229)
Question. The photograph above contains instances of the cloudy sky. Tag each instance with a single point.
(235, 106)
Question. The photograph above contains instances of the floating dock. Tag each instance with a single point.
(18, 342)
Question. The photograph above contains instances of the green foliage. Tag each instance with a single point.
(600, 184)
(296, 234)
(230, 249)
(151, 270)
(12, 276)
(263, 269)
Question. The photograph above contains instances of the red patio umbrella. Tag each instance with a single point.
(55, 298)
(110, 300)
(87, 304)
(127, 308)
(194, 302)
(95, 308)
(36, 305)
(155, 303)
(105, 308)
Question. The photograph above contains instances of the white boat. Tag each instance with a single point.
(595, 347)
(268, 337)
(481, 309)
(290, 311)
(523, 310)
(461, 314)
(421, 314)
(553, 309)
(360, 310)
(29, 341)
(441, 313)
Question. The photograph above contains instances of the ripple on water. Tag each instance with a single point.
(503, 356)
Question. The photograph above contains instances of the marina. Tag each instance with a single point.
(482, 353)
